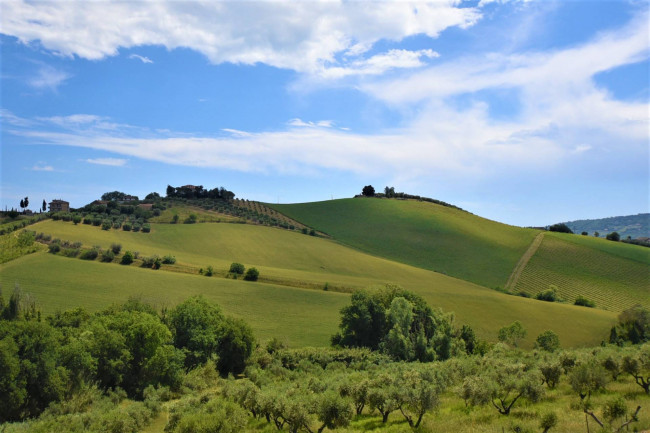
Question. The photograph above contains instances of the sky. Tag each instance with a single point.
(524, 112)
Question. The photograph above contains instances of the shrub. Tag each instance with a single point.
(584, 234)
(209, 271)
(613, 236)
(90, 254)
(136, 227)
(116, 248)
(88, 220)
(169, 260)
(175, 219)
(151, 262)
(191, 219)
(108, 256)
(127, 258)
(305, 230)
(562, 228)
(237, 268)
(146, 228)
(584, 302)
(106, 225)
(71, 252)
(76, 219)
(54, 248)
(126, 226)
(252, 274)
(97, 221)
(312, 232)
(117, 225)
(548, 295)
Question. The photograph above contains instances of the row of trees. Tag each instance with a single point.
(389, 192)
(192, 192)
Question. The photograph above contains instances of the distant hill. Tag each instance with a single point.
(636, 226)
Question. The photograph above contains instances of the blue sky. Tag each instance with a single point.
(525, 112)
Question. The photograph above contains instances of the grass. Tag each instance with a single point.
(10, 247)
(421, 234)
(286, 258)
(614, 275)
(306, 317)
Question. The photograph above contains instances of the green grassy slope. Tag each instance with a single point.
(421, 234)
(306, 317)
(612, 274)
(283, 255)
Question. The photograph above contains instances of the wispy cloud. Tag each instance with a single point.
(143, 59)
(48, 77)
(113, 162)
(380, 63)
(42, 167)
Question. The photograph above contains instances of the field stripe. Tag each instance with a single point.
(523, 261)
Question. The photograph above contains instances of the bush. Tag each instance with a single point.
(209, 271)
(252, 274)
(126, 226)
(613, 236)
(127, 258)
(97, 221)
(146, 228)
(106, 225)
(54, 248)
(76, 219)
(584, 302)
(90, 254)
(237, 268)
(169, 260)
(153, 262)
(116, 248)
(108, 256)
(548, 295)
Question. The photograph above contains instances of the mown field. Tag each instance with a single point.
(287, 259)
(421, 234)
(614, 275)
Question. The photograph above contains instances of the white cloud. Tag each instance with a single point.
(48, 78)
(302, 124)
(143, 59)
(41, 167)
(113, 162)
(302, 36)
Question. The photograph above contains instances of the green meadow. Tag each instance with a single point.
(288, 260)
(422, 234)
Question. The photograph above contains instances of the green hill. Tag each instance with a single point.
(635, 226)
(422, 234)
(286, 259)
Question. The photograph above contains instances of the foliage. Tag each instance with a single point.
(584, 302)
(116, 248)
(548, 341)
(613, 236)
(252, 274)
(368, 191)
(127, 258)
(638, 366)
(588, 378)
(398, 323)
(237, 268)
(169, 259)
(560, 227)
(633, 326)
(512, 333)
(548, 295)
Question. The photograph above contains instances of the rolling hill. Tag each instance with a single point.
(287, 260)
(635, 226)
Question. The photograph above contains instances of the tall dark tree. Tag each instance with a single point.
(22, 204)
(44, 205)
(26, 200)
(368, 191)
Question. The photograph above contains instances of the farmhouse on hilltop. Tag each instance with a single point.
(59, 206)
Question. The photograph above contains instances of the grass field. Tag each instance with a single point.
(183, 211)
(421, 234)
(613, 275)
(285, 256)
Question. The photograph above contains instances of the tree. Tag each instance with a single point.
(44, 205)
(333, 411)
(613, 236)
(22, 204)
(113, 196)
(152, 196)
(26, 202)
(633, 326)
(237, 268)
(252, 274)
(512, 333)
(509, 382)
(368, 191)
(234, 347)
(419, 392)
(548, 421)
(127, 258)
(560, 227)
(548, 341)
(588, 378)
(639, 368)
(397, 343)
(596, 234)
(389, 192)
(195, 324)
